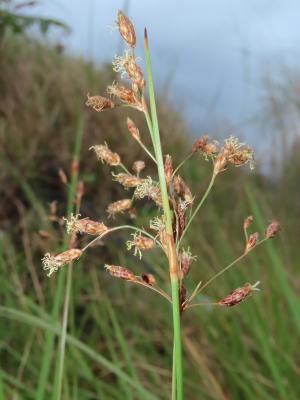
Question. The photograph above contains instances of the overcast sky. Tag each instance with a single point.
(209, 53)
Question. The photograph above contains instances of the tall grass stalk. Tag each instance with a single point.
(172, 254)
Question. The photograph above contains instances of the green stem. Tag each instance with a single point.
(197, 209)
(154, 132)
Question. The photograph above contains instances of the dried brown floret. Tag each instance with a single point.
(119, 207)
(104, 154)
(140, 243)
(126, 29)
(126, 95)
(182, 189)
(235, 153)
(238, 295)
(248, 221)
(127, 64)
(149, 279)
(251, 242)
(207, 148)
(85, 225)
(148, 189)
(168, 168)
(52, 263)
(138, 166)
(127, 180)
(185, 260)
(99, 103)
(120, 272)
(133, 129)
(273, 229)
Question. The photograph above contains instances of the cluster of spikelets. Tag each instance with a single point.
(181, 199)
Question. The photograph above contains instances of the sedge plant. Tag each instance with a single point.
(175, 204)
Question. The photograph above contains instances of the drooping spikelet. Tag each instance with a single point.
(126, 29)
(140, 243)
(238, 295)
(273, 229)
(51, 263)
(104, 154)
(127, 180)
(120, 272)
(119, 207)
(85, 225)
(99, 103)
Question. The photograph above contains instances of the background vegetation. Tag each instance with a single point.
(119, 343)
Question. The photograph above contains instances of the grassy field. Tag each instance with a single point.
(119, 342)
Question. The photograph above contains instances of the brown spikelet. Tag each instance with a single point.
(238, 295)
(62, 176)
(120, 272)
(185, 260)
(126, 95)
(126, 29)
(273, 229)
(134, 72)
(133, 129)
(182, 297)
(104, 154)
(99, 103)
(149, 279)
(85, 226)
(248, 221)
(138, 166)
(207, 148)
(251, 242)
(52, 263)
(119, 207)
(182, 189)
(127, 180)
(168, 168)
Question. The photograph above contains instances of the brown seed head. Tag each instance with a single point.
(120, 272)
(52, 263)
(127, 180)
(238, 295)
(168, 168)
(251, 242)
(127, 96)
(182, 189)
(62, 176)
(85, 225)
(140, 243)
(149, 279)
(185, 259)
(273, 229)
(138, 166)
(247, 222)
(133, 129)
(182, 297)
(104, 154)
(126, 29)
(235, 153)
(207, 148)
(99, 103)
(148, 189)
(118, 207)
